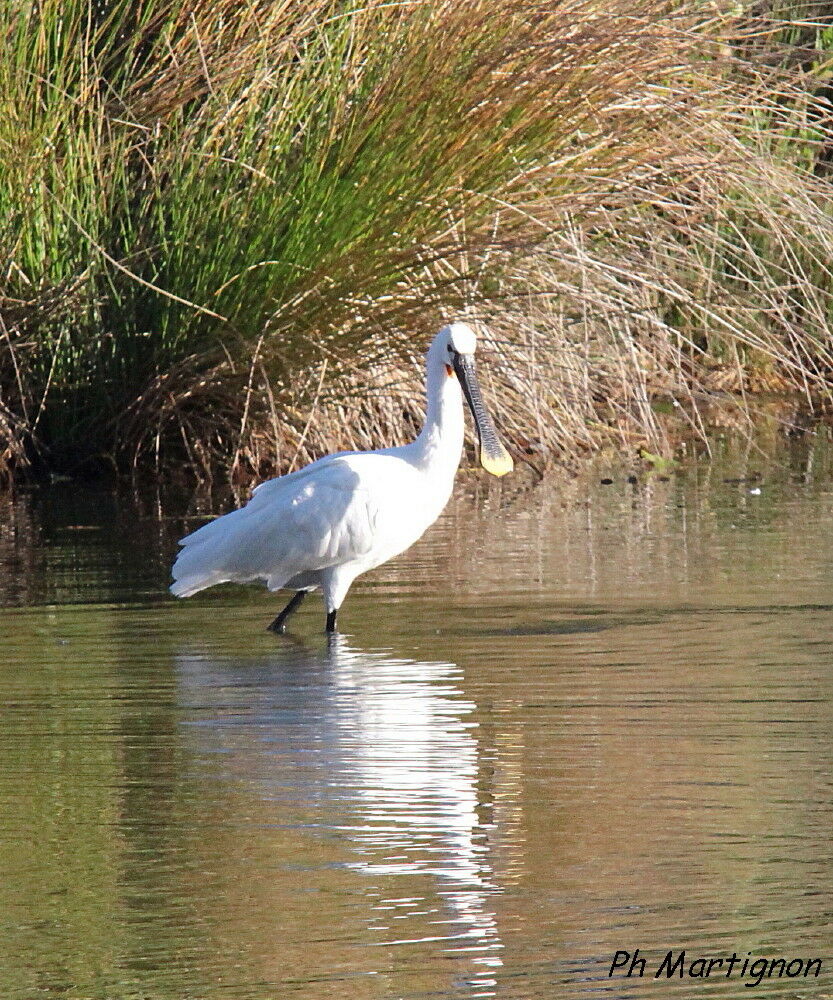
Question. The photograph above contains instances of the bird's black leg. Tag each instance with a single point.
(331, 621)
(279, 624)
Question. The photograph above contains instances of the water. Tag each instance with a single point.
(571, 721)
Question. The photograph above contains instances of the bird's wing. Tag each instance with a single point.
(326, 518)
(266, 490)
(319, 517)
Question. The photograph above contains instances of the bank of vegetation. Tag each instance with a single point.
(229, 229)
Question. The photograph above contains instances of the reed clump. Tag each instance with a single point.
(229, 229)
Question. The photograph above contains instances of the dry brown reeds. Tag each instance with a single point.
(235, 229)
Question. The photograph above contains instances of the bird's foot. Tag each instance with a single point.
(279, 624)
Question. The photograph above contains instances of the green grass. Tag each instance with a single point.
(229, 229)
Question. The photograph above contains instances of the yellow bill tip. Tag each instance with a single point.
(497, 465)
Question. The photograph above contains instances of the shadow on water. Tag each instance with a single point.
(587, 620)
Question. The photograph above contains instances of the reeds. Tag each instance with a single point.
(229, 229)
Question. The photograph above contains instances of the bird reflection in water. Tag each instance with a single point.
(395, 767)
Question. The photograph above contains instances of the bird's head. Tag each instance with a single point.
(455, 345)
(460, 338)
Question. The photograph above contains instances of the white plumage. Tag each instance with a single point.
(322, 526)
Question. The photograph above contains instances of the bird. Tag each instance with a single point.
(346, 513)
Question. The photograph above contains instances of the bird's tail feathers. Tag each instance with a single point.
(222, 551)
(186, 586)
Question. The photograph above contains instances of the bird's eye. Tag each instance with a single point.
(450, 349)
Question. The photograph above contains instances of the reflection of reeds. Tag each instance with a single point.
(231, 228)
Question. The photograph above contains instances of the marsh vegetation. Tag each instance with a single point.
(228, 230)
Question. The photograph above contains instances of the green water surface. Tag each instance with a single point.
(572, 720)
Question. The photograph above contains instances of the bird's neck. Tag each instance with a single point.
(440, 442)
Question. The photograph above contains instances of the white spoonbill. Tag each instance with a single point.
(338, 517)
